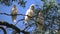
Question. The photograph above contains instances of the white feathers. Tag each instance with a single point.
(14, 13)
(14, 21)
(29, 13)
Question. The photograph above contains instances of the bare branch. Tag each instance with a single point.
(19, 21)
(28, 26)
(13, 27)
(16, 14)
(3, 30)
(33, 23)
(11, 14)
(5, 14)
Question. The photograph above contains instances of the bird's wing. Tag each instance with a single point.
(14, 11)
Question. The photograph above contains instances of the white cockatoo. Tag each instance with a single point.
(29, 13)
(14, 13)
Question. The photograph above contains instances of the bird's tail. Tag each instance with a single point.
(14, 18)
(14, 21)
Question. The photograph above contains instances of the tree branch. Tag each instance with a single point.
(15, 14)
(3, 30)
(13, 27)
(11, 14)
(19, 21)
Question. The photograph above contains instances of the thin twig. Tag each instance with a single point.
(19, 21)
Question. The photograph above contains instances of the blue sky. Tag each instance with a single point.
(21, 10)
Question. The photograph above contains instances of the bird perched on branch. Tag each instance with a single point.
(40, 19)
(29, 13)
(14, 13)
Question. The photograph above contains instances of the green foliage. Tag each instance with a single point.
(9, 2)
(6, 2)
(48, 4)
(22, 3)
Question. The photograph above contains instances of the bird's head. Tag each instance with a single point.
(14, 6)
(32, 6)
